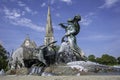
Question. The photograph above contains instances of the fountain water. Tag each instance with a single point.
(83, 65)
(36, 70)
(2, 72)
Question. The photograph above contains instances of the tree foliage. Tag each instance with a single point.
(3, 58)
(118, 60)
(99, 60)
(108, 60)
(104, 59)
(91, 58)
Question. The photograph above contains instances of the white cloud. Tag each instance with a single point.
(49, 2)
(11, 14)
(86, 20)
(43, 4)
(25, 22)
(67, 1)
(21, 4)
(28, 9)
(56, 27)
(57, 14)
(23, 13)
(35, 12)
(15, 18)
(52, 1)
(99, 37)
(109, 3)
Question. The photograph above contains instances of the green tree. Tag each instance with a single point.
(108, 60)
(99, 60)
(3, 58)
(118, 60)
(91, 58)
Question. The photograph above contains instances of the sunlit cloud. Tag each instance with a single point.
(86, 20)
(21, 4)
(52, 1)
(26, 8)
(15, 18)
(25, 22)
(57, 14)
(43, 4)
(109, 3)
(12, 14)
(67, 1)
(99, 37)
(57, 27)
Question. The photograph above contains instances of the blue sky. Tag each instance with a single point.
(100, 24)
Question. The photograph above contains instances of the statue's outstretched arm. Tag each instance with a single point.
(63, 26)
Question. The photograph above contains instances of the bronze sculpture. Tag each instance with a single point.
(72, 29)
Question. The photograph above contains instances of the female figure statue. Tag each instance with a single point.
(72, 30)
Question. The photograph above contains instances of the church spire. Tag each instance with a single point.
(49, 30)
